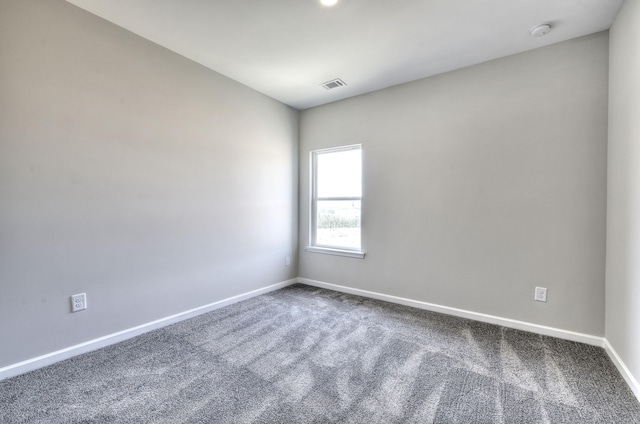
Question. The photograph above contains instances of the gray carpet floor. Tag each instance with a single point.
(307, 355)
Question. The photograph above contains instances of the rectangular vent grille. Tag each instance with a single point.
(335, 83)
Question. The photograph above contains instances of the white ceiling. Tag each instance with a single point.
(287, 48)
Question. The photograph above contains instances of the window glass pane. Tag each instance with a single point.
(339, 174)
(338, 223)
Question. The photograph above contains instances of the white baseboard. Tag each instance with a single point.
(505, 322)
(626, 374)
(53, 357)
(59, 355)
(491, 319)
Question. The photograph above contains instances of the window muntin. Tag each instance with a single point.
(336, 198)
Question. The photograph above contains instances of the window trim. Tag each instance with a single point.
(313, 200)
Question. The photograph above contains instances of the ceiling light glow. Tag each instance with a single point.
(328, 2)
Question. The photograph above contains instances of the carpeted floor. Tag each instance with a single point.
(307, 355)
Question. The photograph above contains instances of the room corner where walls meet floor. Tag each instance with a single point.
(60, 355)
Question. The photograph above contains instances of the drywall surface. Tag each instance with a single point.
(132, 174)
(623, 189)
(479, 185)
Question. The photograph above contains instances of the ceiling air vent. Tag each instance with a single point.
(335, 83)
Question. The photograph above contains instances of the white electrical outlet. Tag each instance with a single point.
(78, 302)
(541, 294)
(287, 261)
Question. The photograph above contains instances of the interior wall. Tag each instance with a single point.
(479, 185)
(132, 174)
(623, 199)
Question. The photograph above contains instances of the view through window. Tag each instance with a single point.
(336, 197)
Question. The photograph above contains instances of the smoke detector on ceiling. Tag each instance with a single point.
(334, 83)
(540, 30)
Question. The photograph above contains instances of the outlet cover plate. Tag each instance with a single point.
(78, 302)
(541, 294)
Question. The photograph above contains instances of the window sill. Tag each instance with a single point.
(337, 252)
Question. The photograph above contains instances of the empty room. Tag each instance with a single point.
(317, 211)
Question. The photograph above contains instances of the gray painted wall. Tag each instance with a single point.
(479, 185)
(157, 186)
(623, 199)
(132, 174)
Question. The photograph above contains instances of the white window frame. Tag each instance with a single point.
(313, 198)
